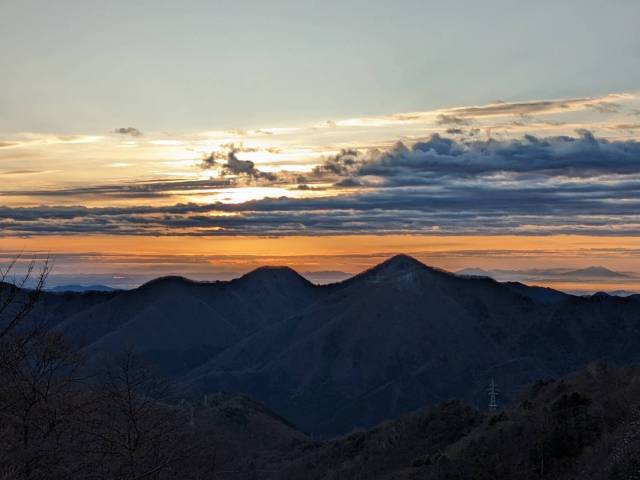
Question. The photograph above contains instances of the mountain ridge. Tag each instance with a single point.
(329, 358)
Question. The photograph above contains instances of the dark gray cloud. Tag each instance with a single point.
(131, 131)
(605, 107)
(523, 108)
(454, 210)
(344, 163)
(20, 172)
(235, 166)
(453, 120)
(539, 186)
(229, 163)
(129, 190)
(627, 126)
(582, 157)
(210, 160)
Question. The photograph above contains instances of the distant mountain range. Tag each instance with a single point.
(82, 288)
(584, 281)
(583, 273)
(334, 357)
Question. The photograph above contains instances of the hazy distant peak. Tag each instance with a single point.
(596, 272)
(591, 274)
(82, 288)
(474, 272)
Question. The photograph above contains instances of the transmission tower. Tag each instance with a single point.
(493, 396)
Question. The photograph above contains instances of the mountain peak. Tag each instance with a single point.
(167, 281)
(273, 274)
(400, 262)
(403, 263)
(399, 267)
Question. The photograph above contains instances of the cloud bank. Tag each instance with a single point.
(531, 185)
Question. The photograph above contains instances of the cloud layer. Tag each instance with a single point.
(531, 185)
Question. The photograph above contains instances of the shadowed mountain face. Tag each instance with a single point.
(402, 335)
(177, 324)
(580, 426)
(331, 358)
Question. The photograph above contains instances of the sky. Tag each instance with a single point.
(206, 138)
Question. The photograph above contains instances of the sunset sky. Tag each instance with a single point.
(206, 138)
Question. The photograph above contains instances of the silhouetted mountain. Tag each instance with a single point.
(537, 294)
(402, 335)
(178, 323)
(330, 358)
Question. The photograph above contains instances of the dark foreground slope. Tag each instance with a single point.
(241, 438)
(582, 426)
